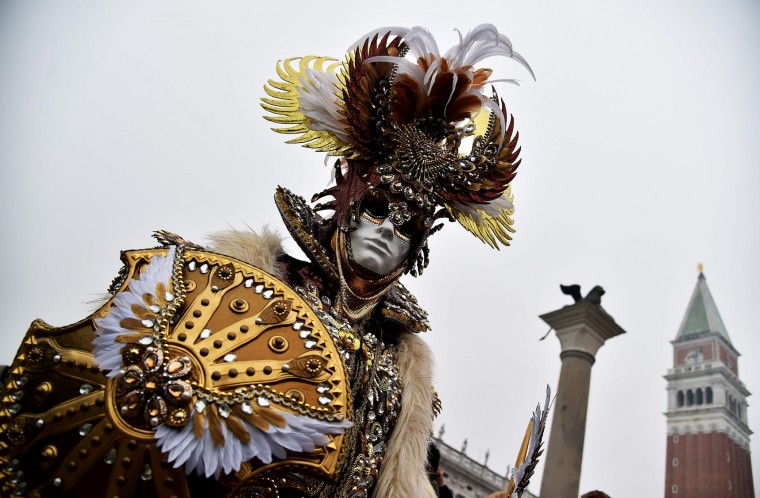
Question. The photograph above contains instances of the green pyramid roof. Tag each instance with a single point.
(702, 314)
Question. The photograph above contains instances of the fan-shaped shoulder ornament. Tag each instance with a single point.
(198, 363)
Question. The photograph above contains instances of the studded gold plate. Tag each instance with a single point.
(69, 430)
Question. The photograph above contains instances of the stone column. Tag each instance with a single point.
(582, 329)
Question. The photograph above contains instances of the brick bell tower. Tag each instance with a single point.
(708, 436)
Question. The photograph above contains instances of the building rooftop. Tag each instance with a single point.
(702, 314)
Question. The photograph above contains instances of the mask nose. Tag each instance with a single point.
(385, 229)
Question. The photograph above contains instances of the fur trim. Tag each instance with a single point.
(402, 472)
(260, 249)
(100, 299)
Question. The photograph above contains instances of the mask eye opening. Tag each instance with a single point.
(375, 206)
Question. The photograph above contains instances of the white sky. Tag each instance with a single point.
(640, 159)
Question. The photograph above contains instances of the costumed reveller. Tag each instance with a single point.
(238, 370)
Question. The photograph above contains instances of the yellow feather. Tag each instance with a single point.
(284, 105)
(276, 105)
(492, 230)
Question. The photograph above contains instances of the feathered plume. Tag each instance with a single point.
(530, 451)
(448, 86)
(134, 313)
(398, 111)
(219, 439)
(211, 437)
(306, 101)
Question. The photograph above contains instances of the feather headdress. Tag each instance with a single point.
(410, 121)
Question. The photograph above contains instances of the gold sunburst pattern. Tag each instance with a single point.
(240, 352)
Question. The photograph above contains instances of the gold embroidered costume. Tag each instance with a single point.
(240, 371)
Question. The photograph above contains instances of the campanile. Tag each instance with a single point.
(708, 436)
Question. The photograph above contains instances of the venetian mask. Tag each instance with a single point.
(378, 245)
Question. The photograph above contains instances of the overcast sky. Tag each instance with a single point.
(641, 159)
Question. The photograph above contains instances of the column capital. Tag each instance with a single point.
(582, 327)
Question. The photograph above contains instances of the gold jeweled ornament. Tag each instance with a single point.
(411, 121)
(224, 343)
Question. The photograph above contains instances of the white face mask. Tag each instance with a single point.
(376, 247)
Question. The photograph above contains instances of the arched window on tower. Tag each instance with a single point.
(689, 397)
(708, 395)
(739, 411)
(700, 398)
(680, 398)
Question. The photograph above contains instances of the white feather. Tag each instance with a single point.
(520, 472)
(480, 43)
(301, 434)
(494, 208)
(107, 329)
(421, 42)
(318, 102)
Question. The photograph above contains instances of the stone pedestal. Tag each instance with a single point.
(582, 329)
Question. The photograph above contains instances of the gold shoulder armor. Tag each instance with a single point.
(198, 363)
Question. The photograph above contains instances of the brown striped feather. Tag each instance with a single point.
(237, 428)
(273, 417)
(214, 425)
(254, 419)
(140, 312)
(133, 337)
(199, 424)
(133, 324)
